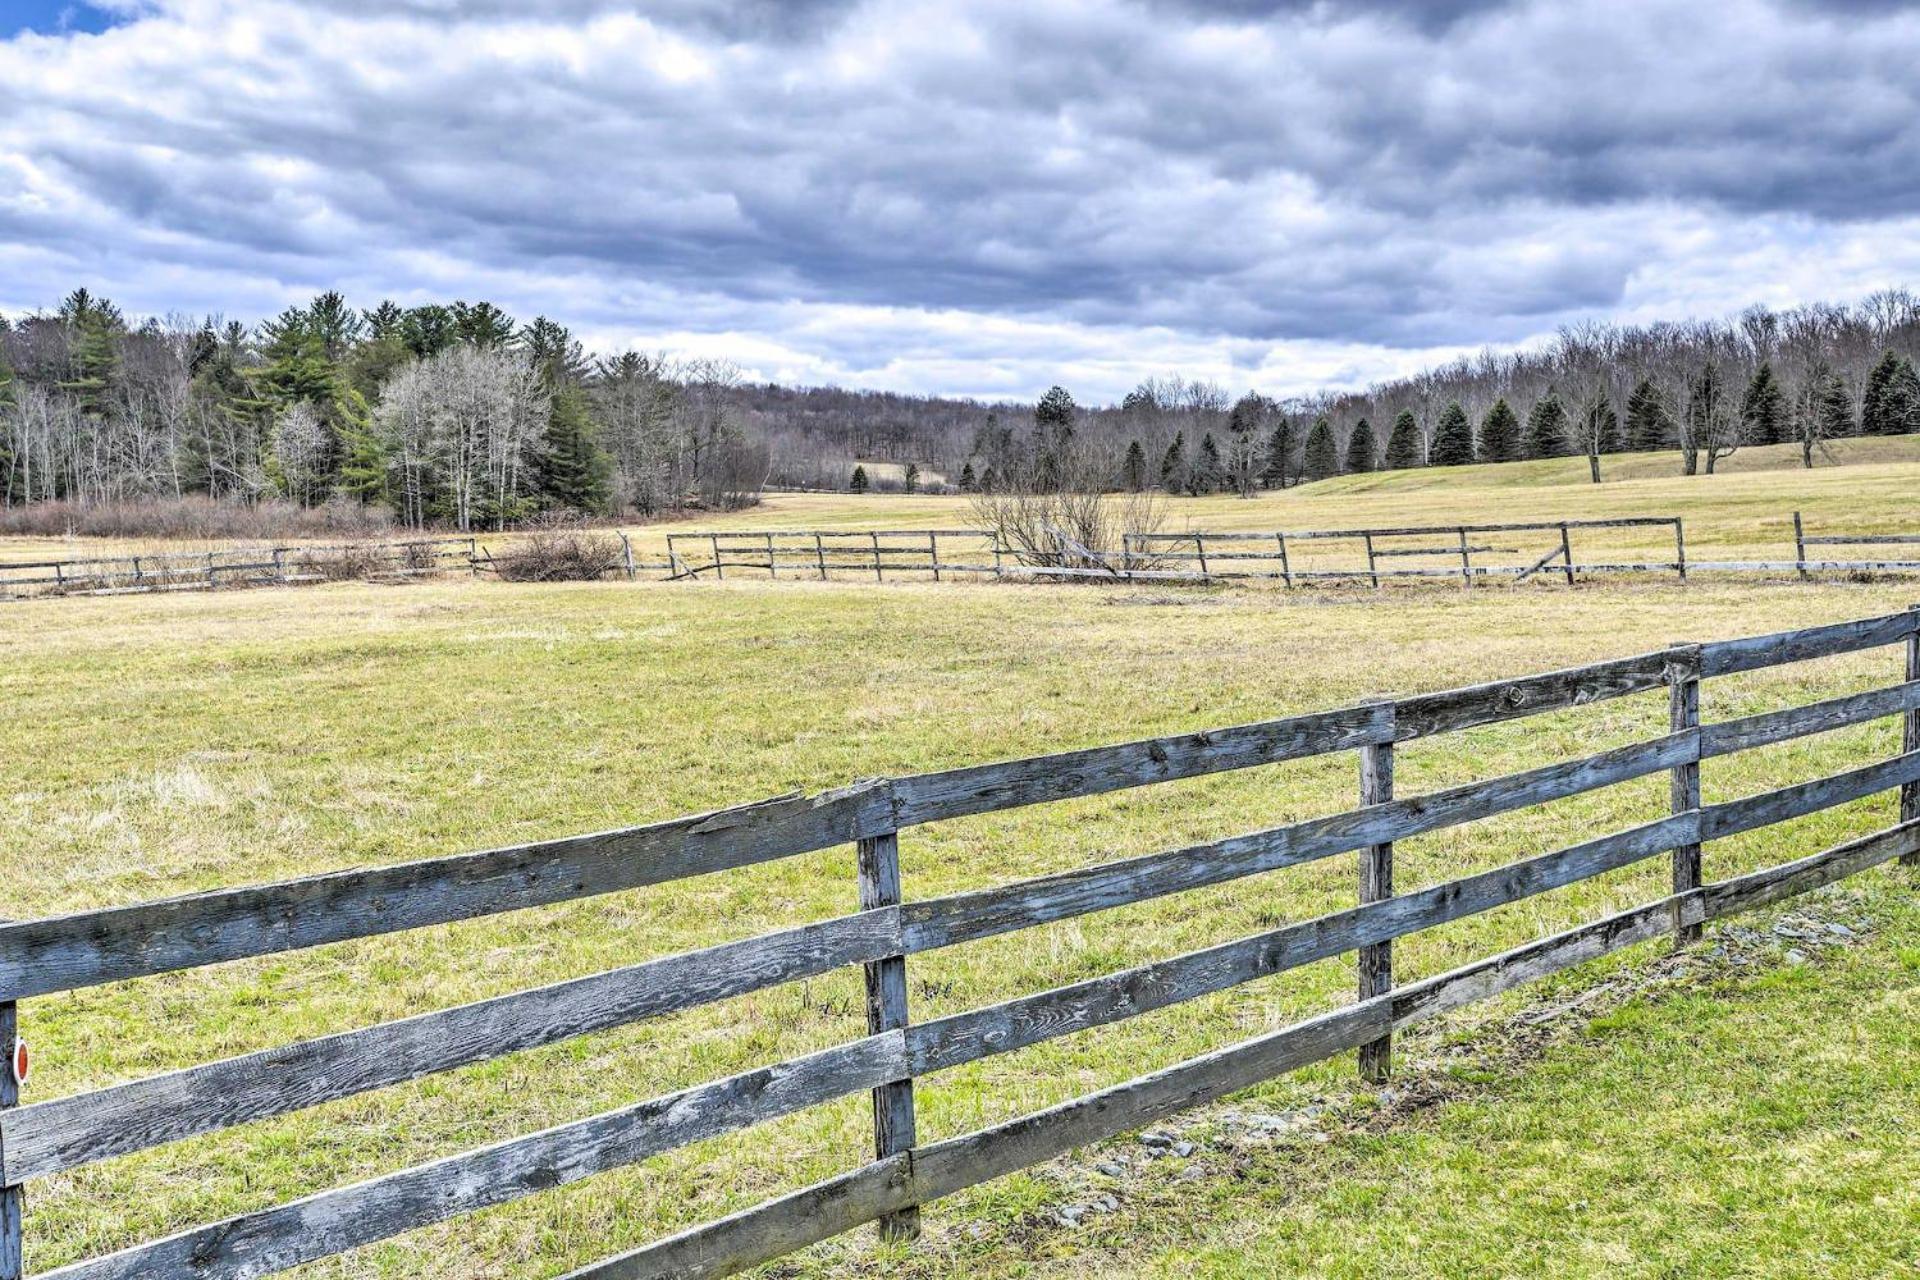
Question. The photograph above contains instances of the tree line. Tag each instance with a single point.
(457, 414)
(448, 414)
(1703, 389)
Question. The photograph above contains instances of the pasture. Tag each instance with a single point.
(159, 745)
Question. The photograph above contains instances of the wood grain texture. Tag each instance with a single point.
(1748, 732)
(1790, 879)
(771, 1230)
(1910, 736)
(332, 1222)
(66, 952)
(1010, 784)
(1683, 708)
(894, 1129)
(984, 913)
(1769, 807)
(66, 1133)
(1027, 1020)
(1725, 657)
(1374, 964)
(13, 1254)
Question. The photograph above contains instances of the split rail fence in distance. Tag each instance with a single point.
(39, 957)
(812, 553)
(1468, 553)
(238, 566)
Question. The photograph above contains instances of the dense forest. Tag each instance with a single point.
(458, 415)
(450, 415)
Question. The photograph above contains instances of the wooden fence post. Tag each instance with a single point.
(1683, 700)
(626, 553)
(1466, 561)
(820, 555)
(773, 569)
(1910, 740)
(1200, 548)
(933, 553)
(1286, 565)
(877, 576)
(893, 1119)
(1566, 552)
(12, 1249)
(1371, 570)
(1680, 546)
(1799, 544)
(1376, 885)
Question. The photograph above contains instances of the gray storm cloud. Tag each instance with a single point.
(837, 189)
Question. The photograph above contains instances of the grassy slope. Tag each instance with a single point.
(1747, 512)
(253, 735)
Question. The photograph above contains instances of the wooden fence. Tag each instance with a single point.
(1415, 551)
(234, 567)
(41, 957)
(810, 553)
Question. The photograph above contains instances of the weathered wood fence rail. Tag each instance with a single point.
(39, 957)
(1467, 553)
(810, 553)
(239, 566)
(1271, 554)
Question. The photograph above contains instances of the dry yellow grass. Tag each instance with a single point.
(159, 745)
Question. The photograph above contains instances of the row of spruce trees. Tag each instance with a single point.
(1890, 406)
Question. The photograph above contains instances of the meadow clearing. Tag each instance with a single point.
(1744, 1114)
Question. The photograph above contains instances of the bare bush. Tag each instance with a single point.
(560, 550)
(350, 562)
(1050, 511)
(193, 518)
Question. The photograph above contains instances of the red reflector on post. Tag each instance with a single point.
(21, 1062)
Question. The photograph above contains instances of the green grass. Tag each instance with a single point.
(159, 745)
(1725, 1122)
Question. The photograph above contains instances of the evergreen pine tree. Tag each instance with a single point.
(912, 478)
(1405, 448)
(1763, 410)
(968, 481)
(1500, 433)
(1452, 438)
(1133, 472)
(1360, 447)
(1834, 408)
(1903, 400)
(1209, 472)
(859, 483)
(1279, 445)
(1323, 457)
(574, 474)
(1173, 467)
(1649, 426)
(1547, 428)
(1876, 413)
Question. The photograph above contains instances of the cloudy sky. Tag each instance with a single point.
(980, 198)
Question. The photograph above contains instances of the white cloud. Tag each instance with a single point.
(982, 197)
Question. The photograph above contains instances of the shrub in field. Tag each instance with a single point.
(559, 550)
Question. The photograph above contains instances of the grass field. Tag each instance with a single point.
(156, 745)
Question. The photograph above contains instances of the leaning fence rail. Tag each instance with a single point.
(47, 956)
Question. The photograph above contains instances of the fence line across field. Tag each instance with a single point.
(204, 570)
(42, 957)
(1204, 555)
